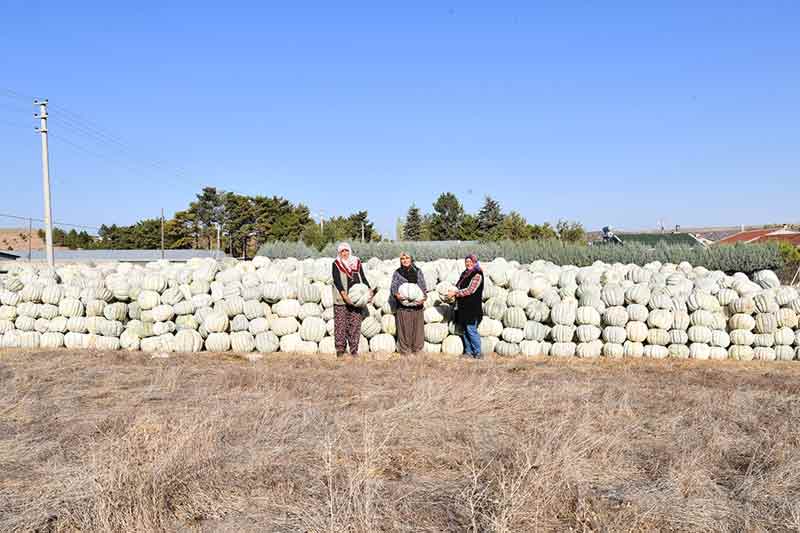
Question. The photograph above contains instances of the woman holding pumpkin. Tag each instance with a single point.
(407, 307)
(347, 271)
(469, 304)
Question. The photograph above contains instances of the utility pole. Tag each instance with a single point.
(30, 236)
(322, 222)
(48, 211)
(219, 229)
(362, 232)
(162, 233)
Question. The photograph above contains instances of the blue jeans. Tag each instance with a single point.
(472, 341)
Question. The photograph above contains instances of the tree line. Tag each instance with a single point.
(450, 222)
(244, 222)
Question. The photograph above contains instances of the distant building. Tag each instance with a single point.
(5, 256)
(764, 235)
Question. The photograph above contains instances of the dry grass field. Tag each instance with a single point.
(122, 442)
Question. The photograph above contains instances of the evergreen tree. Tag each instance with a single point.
(413, 227)
(469, 230)
(542, 231)
(490, 217)
(448, 215)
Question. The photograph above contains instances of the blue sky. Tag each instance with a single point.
(619, 113)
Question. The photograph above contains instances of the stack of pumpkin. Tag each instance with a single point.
(655, 310)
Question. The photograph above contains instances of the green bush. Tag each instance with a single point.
(729, 258)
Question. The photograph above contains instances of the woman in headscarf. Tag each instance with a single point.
(469, 304)
(347, 270)
(408, 317)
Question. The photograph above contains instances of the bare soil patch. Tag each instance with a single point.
(123, 442)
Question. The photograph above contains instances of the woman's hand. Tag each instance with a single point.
(346, 298)
(451, 294)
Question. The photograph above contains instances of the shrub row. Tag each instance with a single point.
(746, 258)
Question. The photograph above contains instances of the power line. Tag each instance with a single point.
(18, 217)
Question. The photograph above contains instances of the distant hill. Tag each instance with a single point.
(17, 239)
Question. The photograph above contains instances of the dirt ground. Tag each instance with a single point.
(122, 442)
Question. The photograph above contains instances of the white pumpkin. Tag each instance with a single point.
(217, 341)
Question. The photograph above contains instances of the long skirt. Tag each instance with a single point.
(346, 328)
(410, 330)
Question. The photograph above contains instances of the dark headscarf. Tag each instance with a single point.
(410, 273)
(476, 267)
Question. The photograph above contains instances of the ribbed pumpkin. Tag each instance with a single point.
(25, 323)
(359, 294)
(51, 340)
(283, 326)
(587, 316)
(411, 293)
(658, 337)
(490, 327)
(495, 308)
(370, 327)
(506, 349)
(587, 333)
(564, 313)
(784, 353)
(452, 345)
(699, 334)
(633, 349)
(681, 320)
(699, 350)
(742, 337)
(765, 340)
(636, 331)
(431, 348)
(530, 348)
(563, 349)
(562, 333)
(678, 336)
(744, 304)
(637, 313)
(313, 329)
(537, 311)
(678, 351)
(613, 350)
(388, 325)
(382, 343)
(784, 336)
(766, 323)
(615, 316)
(786, 318)
(513, 335)
(720, 338)
(535, 331)
(613, 295)
(242, 342)
(763, 353)
(188, 341)
(589, 350)
(218, 342)
(655, 351)
(514, 317)
(216, 322)
(660, 319)
(765, 303)
(70, 307)
(435, 333)
(741, 353)
(74, 341)
(742, 321)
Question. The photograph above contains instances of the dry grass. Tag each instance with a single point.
(121, 442)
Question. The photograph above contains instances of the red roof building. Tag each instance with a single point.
(763, 235)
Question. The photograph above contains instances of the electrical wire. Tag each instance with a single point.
(34, 219)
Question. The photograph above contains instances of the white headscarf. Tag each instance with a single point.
(352, 264)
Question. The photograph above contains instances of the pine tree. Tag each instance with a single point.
(447, 218)
(413, 227)
(490, 218)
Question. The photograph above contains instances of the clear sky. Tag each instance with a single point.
(619, 113)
